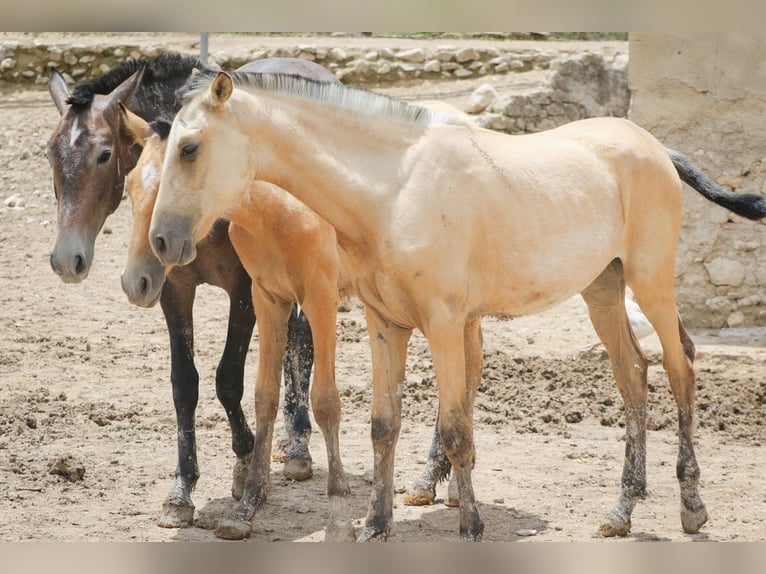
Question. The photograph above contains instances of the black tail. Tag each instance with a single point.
(748, 205)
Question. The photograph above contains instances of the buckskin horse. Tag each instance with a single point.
(439, 224)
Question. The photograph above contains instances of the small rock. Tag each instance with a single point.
(466, 55)
(367, 476)
(573, 417)
(68, 467)
(14, 200)
(480, 99)
(526, 532)
(413, 55)
(303, 509)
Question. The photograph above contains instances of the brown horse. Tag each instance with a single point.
(90, 152)
(439, 224)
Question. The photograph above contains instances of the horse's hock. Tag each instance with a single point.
(695, 92)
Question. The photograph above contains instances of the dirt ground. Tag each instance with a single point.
(84, 386)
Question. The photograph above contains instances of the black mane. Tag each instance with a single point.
(171, 68)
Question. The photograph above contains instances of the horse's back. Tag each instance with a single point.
(293, 66)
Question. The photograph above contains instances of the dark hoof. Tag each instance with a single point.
(693, 521)
(234, 529)
(298, 468)
(419, 494)
(176, 514)
(371, 534)
(473, 534)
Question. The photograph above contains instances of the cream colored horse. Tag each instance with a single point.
(291, 255)
(439, 224)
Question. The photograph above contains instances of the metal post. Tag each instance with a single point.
(203, 47)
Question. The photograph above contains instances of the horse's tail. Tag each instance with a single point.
(748, 205)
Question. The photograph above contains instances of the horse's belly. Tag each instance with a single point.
(541, 283)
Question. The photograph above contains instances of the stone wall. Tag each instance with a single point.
(581, 86)
(560, 83)
(29, 62)
(704, 94)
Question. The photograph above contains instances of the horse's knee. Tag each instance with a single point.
(229, 384)
(383, 429)
(457, 438)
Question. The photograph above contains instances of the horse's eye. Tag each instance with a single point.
(188, 151)
(105, 155)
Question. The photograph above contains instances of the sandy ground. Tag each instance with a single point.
(84, 383)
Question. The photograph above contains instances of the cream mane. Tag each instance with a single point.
(351, 98)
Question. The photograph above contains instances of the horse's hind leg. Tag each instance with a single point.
(176, 301)
(423, 490)
(299, 359)
(658, 304)
(605, 298)
(229, 377)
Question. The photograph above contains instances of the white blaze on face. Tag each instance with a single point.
(75, 133)
(148, 175)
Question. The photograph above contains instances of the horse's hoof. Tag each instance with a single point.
(453, 498)
(339, 533)
(239, 475)
(693, 521)
(298, 468)
(473, 534)
(370, 534)
(176, 515)
(419, 494)
(234, 529)
(614, 526)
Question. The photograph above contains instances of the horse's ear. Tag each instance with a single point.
(221, 88)
(136, 126)
(125, 91)
(58, 90)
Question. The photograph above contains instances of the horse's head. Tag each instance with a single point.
(90, 153)
(143, 276)
(206, 170)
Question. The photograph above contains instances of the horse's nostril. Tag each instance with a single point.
(159, 245)
(143, 285)
(79, 264)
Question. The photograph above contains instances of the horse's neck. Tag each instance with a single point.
(341, 164)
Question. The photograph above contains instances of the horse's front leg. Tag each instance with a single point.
(299, 360)
(389, 352)
(449, 349)
(423, 490)
(325, 402)
(229, 376)
(272, 336)
(176, 301)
